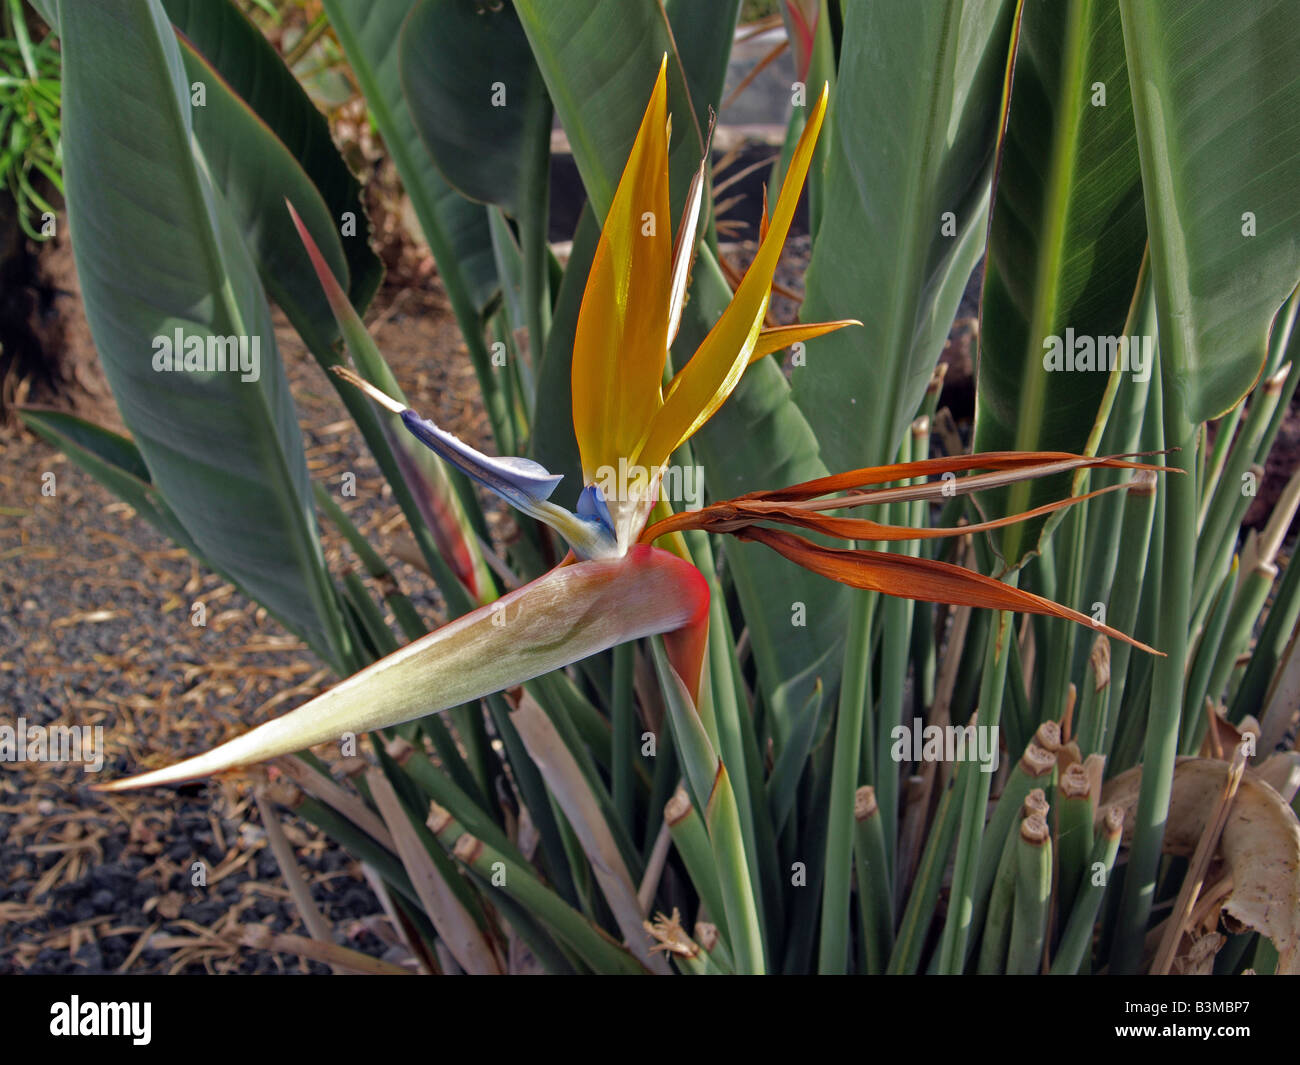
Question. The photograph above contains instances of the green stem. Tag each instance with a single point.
(915, 926)
(534, 219)
(1071, 538)
(709, 781)
(1077, 937)
(310, 36)
(499, 872)
(896, 625)
(1126, 596)
(1282, 618)
(1214, 465)
(896, 631)
(692, 842)
(1252, 593)
(1230, 501)
(875, 897)
(624, 747)
(738, 898)
(1207, 654)
(368, 613)
(1033, 891)
(833, 953)
(1095, 697)
(975, 799)
(997, 928)
(738, 747)
(541, 807)
(1035, 769)
(360, 845)
(1074, 834)
(403, 609)
(1179, 562)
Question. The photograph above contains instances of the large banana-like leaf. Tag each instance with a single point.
(703, 33)
(256, 175)
(456, 229)
(48, 10)
(908, 184)
(157, 251)
(1216, 95)
(271, 107)
(476, 97)
(1216, 91)
(1065, 243)
(265, 142)
(599, 59)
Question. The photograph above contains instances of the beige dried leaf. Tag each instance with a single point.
(1260, 844)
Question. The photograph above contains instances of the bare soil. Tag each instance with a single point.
(95, 630)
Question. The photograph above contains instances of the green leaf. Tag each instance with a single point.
(476, 97)
(599, 59)
(1065, 244)
(1216, 92)
(906, 152)
(1215, 95)
(509, 261)
(554, 444)
(157, 251)
(48, 10)
(703, 34)
(256, 175)
(713, 793)
(457, 230)
(465, 235)
(251, 68)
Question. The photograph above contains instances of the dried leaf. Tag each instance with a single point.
(1260, 844)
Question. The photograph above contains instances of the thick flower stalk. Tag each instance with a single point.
(615, 586)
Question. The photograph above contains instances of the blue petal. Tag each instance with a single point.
(525, 485)
(518, 481)
(592, 507)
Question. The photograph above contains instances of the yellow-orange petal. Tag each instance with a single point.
(620, 343)
(709, 377)
(782, 336)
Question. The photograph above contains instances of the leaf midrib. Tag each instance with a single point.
(1047, 284)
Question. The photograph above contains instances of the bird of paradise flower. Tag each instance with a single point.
(615, 585)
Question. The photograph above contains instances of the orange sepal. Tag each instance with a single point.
(920, 578)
